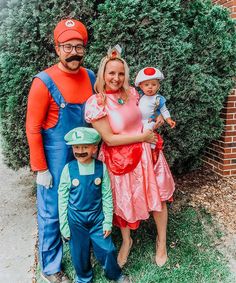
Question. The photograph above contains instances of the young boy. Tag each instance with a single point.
(151, 103)
(86, 208)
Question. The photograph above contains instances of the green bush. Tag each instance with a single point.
(192, 42)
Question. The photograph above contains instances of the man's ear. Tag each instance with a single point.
(57, 49)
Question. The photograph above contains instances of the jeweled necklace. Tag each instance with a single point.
(120, 100)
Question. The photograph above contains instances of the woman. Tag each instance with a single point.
(138, 186)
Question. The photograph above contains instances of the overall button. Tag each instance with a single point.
(75, 182)
(97, 181)
(63, 105)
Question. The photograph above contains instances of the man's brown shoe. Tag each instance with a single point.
(58, 277)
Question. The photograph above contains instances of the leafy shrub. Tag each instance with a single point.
(193, 43)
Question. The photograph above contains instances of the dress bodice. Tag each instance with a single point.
(123, 119)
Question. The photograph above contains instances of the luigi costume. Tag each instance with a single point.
(86, 209)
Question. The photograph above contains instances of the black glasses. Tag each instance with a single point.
(67, 48)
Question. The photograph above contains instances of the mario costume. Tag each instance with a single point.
(55, 106)
(85, 210)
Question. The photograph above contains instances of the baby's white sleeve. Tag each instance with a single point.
(165, 112)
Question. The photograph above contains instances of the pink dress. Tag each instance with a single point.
(140, 191)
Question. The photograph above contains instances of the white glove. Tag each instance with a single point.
(44, 179)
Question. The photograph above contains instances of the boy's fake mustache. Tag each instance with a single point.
(74, 58)
(84, 154)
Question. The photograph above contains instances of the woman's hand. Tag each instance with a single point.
(149, 136)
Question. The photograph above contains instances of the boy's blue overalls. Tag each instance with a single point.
(57, 155)
(85, 218)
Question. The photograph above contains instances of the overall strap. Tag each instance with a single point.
(54, 91)
(98, 167)
(73, 169)
(92, 78)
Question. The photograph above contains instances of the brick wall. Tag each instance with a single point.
(221, 155)
(230, 4)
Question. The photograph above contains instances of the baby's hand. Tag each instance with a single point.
(171, 122)
(106, 233)
(159, 122)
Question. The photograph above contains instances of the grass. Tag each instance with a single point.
(193, 256)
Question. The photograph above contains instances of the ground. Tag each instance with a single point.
(204, 189)
(17, 225)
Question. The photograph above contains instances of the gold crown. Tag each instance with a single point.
(114, 52)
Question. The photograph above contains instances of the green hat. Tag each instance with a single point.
(82, 135)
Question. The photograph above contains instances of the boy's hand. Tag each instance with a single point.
(171, 122)
(67, 239)
(106, 233)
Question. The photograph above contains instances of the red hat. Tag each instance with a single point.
(70, 29)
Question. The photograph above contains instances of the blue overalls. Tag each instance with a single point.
(57, 155)
(85, 217)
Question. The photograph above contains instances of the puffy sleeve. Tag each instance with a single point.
(94, 108)
(161, 99)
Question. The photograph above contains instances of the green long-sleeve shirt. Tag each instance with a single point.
(64, 190)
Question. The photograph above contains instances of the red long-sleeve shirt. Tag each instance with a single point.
(42, 110)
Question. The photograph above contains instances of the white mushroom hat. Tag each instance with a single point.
(148, 73)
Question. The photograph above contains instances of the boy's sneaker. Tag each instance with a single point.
(58, 277)
(123, 279)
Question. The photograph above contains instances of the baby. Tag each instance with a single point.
(151, 103)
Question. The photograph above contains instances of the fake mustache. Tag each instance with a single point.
(84, 154)
(74, 58)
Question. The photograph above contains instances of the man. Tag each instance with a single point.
(55, 106)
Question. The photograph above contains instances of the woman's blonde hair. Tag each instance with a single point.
(99, 85)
